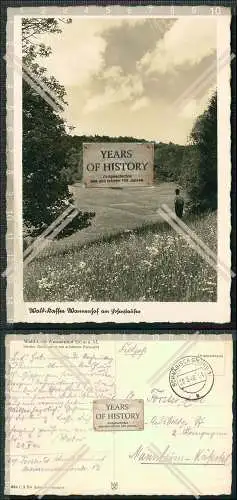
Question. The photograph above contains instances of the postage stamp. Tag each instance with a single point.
(118, 415)
(116, 206)
(191, 377)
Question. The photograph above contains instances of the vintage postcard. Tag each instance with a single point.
(119, 164)
(128, 414)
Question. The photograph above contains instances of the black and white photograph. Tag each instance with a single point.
(121, 151)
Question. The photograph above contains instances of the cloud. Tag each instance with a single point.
(188, 41)
(78, 52)
(140, 103)
(112, 73)
(195, 107)
(190, 109)
(118, 88)
(105, 87)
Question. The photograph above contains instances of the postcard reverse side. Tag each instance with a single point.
(95, 415)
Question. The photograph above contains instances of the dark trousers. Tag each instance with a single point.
(179, 212)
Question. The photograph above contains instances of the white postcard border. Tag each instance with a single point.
(117, 312)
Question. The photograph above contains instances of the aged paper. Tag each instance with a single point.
(150, 73)
(57, 385)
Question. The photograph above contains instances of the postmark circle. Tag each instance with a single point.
(191, 377)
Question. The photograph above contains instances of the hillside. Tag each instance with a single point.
(116, 211)
(154, 265)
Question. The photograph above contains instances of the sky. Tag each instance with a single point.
(146, 78)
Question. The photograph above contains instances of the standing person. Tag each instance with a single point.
(178, 204)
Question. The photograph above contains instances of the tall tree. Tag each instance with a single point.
(168, 160)
(199, 168)
(45, 148)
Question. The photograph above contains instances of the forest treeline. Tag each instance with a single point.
(193, 166)
(167, 157)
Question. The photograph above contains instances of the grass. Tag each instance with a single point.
(152, 263)
(116, 210)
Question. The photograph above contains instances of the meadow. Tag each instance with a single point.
(135, 259)
(116, 211)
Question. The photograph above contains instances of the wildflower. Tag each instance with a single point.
(43, 283)
(82, 265)
(153, 250)
(147, 263)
